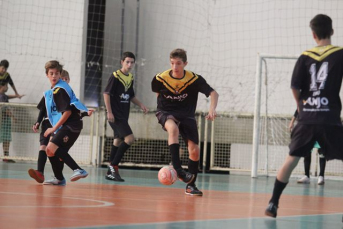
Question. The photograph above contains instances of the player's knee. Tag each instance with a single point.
(50, 152)
(130, 139)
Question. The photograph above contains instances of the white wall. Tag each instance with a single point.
(222, 39)
(36, 31)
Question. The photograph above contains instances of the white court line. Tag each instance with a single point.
(103, 203)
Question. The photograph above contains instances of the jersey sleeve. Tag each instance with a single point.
(204, 87)
(111, 85)
(10, 81)
(156, 85)
(299, 73)
(131, 91)
(62, 100)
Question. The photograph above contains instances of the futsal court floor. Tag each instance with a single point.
(141, 202)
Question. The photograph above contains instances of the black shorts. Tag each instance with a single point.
(65, 138)
(187, 126)
(329, 137)
(44, 140)
(121, 128)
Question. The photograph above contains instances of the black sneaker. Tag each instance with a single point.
(113, 174)
(271, 210)
(185, 176)
(192, 190)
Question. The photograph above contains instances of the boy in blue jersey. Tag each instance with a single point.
(63, 110)
(316, 83)
(43, 120)
(177, 95)
(117, 97)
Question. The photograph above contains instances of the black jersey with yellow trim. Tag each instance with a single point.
(321, 52)
(126, 80)
(318, 76)
(5, 79)
(179, 96)
(174, 85)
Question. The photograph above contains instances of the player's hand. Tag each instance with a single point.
(48, 132)
(20, 96)
(290, 127)
(90, 112)
(35, 127)
(110, 117)
(212, 114)
(144, 109)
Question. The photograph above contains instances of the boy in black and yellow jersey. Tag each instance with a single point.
(5, 77)
(117, 97)
(316, 83)
(177, 95)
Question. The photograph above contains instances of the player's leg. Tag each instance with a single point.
(193, 167)
(38, 174)
(59, 147)
(121, 129)
(6, 148)
(302, 141)
(280, 184)
(322, 164)
(307, 166)
(174, 147)
(58, 178)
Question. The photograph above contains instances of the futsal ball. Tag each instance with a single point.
(167, 175)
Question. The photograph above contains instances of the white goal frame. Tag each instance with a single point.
(257, 110)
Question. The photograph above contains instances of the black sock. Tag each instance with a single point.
(193, 168)
(278, 188)
(307, 164)
(322, 164)
(120, 153)
(56, 168)
(113, 152)
(6, 153)
(41, 161)
(175, 155)
(65, 156)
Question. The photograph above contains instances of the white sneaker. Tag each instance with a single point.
(320, 180)
(78, 173)
(304, 180)
(55, 181)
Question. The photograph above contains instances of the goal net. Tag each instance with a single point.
(274, 109)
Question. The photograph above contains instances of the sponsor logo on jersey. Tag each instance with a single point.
(177, 97)
(125, 98)
(317, 102)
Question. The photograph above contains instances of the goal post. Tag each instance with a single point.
(257, 141)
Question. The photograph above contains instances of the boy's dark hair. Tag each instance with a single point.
(53, 64)
(321, 25)
(128, 54)
(179, 53)
(5, 63)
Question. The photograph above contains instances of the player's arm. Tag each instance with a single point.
(296, 95)
(141, 105)
(212, 114)
(35, 126)
(107, 98)
(12, 86)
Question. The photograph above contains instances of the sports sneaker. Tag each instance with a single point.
(113, 174)
(55, 181)
(8, 160)
(304, 180)
(185, 176)
(35, 174)
(321, 180)
(78, 173)
(271, 210)
(192, 190)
